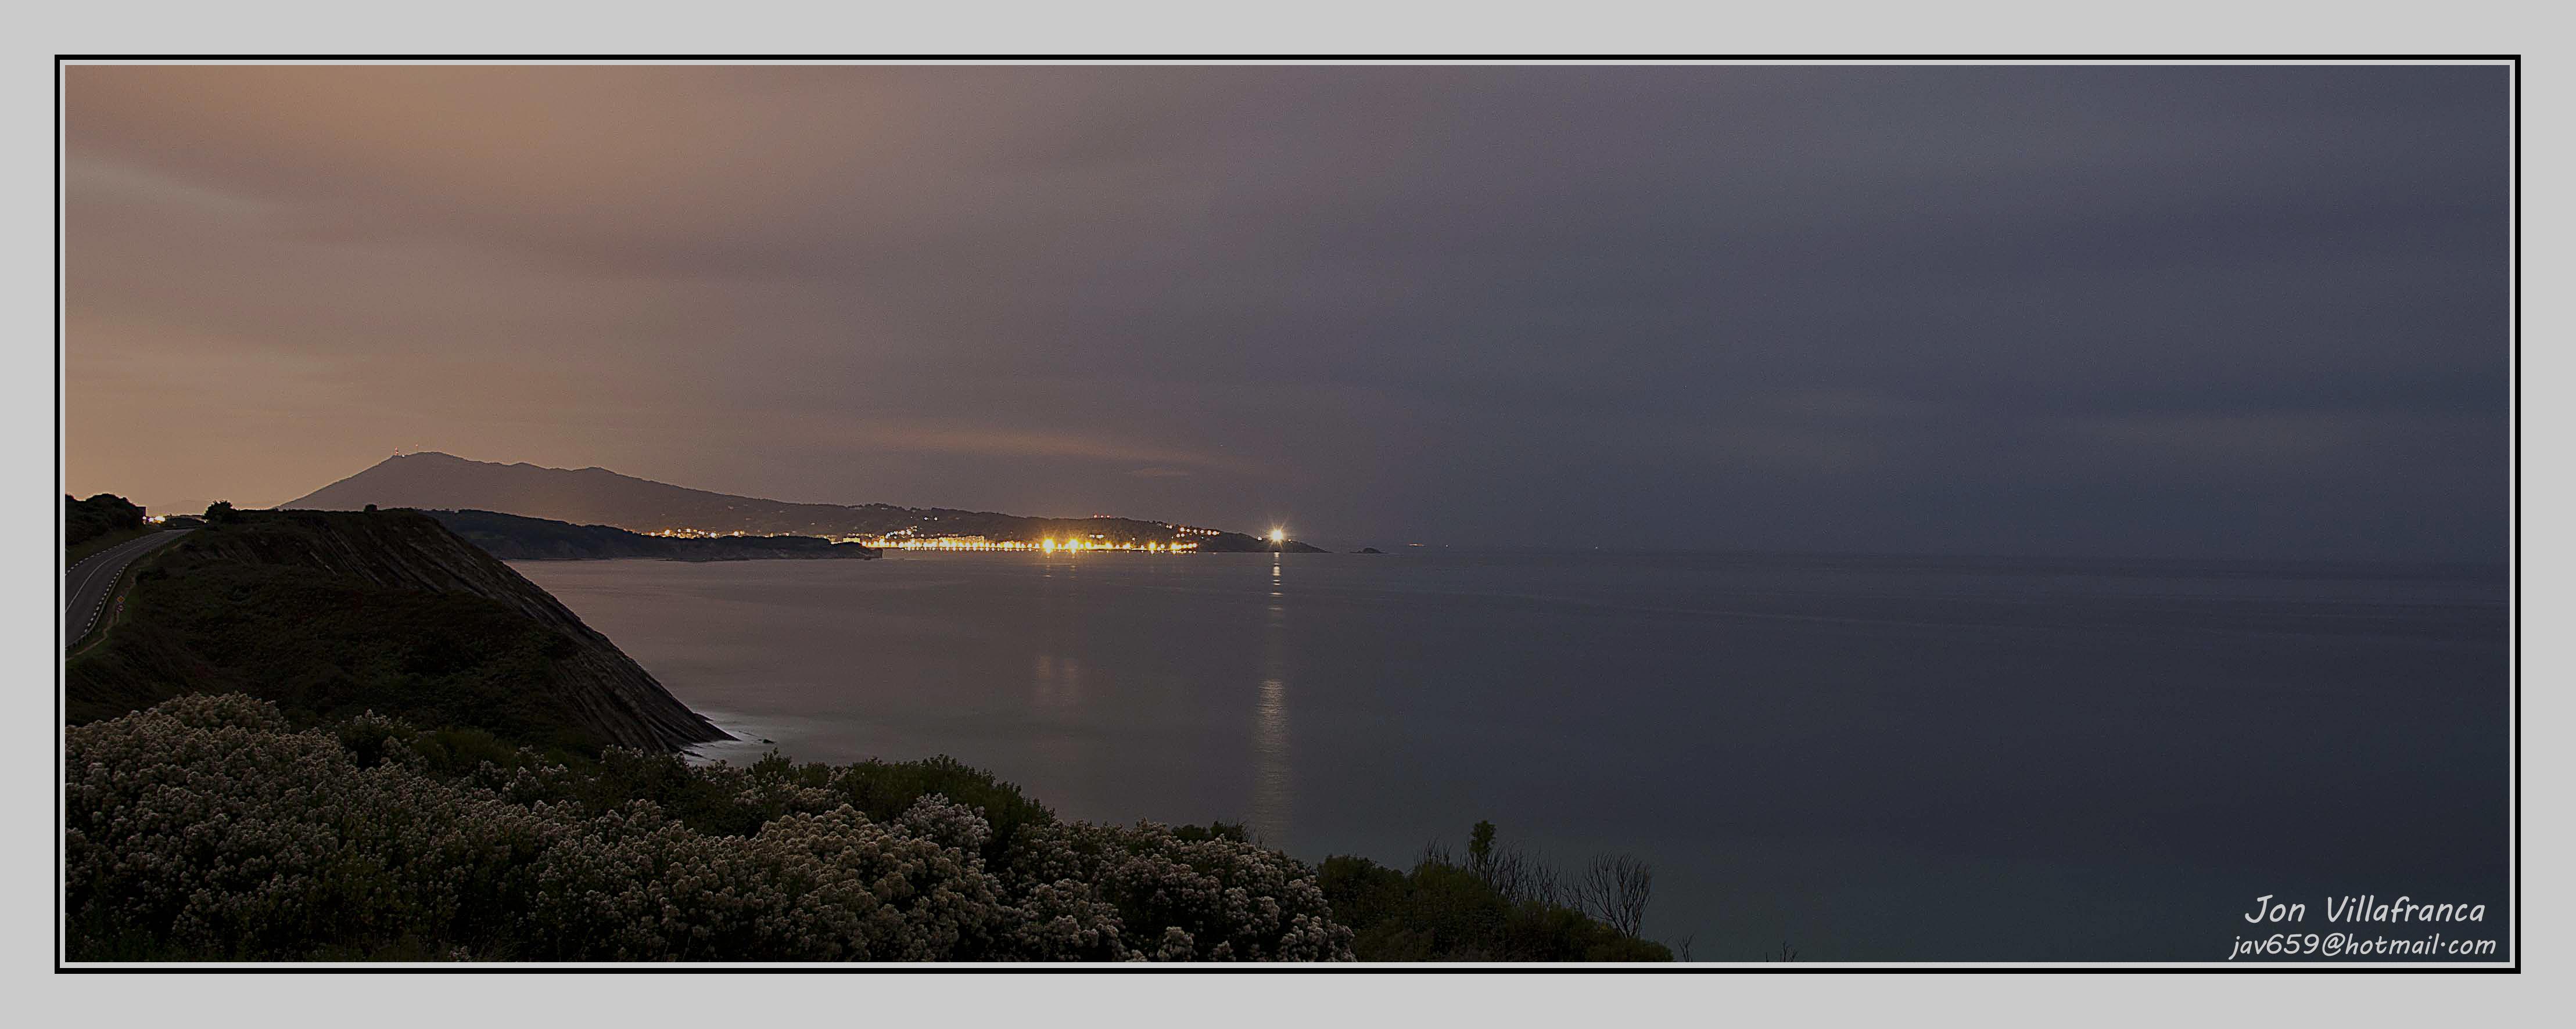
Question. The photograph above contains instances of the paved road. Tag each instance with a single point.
(87, 584)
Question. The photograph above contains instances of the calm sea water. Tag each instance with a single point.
(1864, 758)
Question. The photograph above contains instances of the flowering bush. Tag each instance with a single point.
(208, 828)
(1217, 899)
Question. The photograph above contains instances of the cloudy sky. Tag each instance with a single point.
(2116, 311)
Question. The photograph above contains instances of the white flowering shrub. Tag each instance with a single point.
(1213, 899)
(208, 828)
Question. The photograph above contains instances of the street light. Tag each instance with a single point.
(1278, 537)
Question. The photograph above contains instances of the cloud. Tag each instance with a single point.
(1474, 303)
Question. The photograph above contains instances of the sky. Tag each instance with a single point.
(2228, 312)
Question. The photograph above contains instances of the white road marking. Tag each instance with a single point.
(122, 555)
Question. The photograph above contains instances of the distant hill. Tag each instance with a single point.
(597, 496)
(516, 538)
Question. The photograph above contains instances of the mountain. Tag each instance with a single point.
(597, 496)
(514, 538)
(329, 614)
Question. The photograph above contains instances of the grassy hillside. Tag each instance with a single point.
(328, 614)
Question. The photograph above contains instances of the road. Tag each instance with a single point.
(86, 585)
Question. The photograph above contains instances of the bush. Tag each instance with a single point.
(1216, 899)
(100, 515)
(208, 828)
(1497, 905)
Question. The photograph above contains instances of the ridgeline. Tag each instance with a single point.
(597, 496)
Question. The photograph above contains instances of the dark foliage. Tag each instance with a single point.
(367, 839)
(1213, 831)
(1491, 907)
(881, 790)
(101, 515)
(323, 648)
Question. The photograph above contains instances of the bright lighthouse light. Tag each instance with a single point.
(1278, 535)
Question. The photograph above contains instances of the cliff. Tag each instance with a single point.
(328, 614)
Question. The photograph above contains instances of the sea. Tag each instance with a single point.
(1823, 757)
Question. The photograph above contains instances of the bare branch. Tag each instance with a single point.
(1615, 890)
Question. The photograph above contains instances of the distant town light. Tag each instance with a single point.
(910, 539)
(1278, 535)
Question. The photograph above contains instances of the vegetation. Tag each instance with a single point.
(85, 520)
(305, 610)
(323, 648)
(208, 828)
(304, 745)
(95, 524)
(1497, 904)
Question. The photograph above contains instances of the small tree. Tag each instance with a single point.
(1512, 872)
(221, 513)
(371, 509)
(1615, 890)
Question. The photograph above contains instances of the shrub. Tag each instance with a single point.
(1217, 899)
(1497, 905)
(208, 828)
(100, 515)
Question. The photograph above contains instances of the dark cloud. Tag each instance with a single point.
(2133, 310)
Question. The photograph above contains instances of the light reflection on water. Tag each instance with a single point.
(1273, 788)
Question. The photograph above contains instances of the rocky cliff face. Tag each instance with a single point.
(381, 609)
